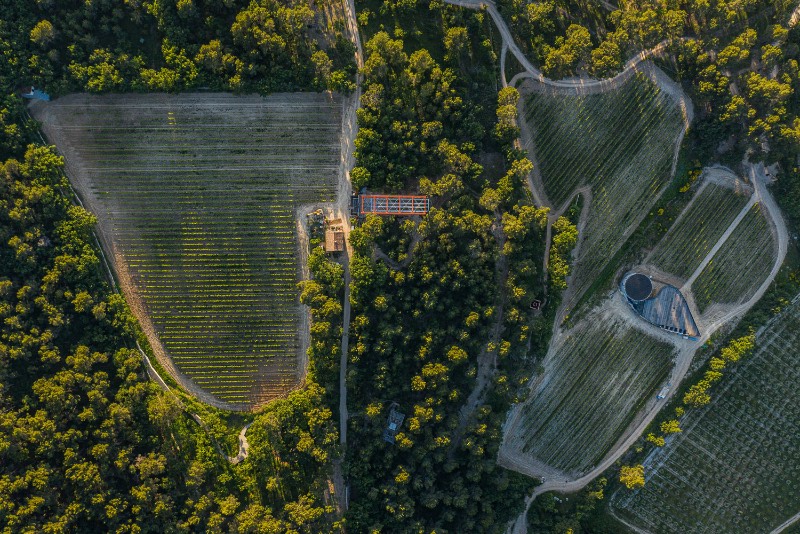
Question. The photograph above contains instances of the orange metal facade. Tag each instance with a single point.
(394, 204)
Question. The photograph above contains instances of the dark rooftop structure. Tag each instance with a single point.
(638, 286)
(659, 304)
(395, 420)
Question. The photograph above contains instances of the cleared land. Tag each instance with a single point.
(693, 236)
(736, 466)
(594, 383)
(620, 143)
(740, 266)
(196, 197)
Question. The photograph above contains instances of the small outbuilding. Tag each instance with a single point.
(334, 236)
(393, 425)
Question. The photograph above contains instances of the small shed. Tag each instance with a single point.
(393, 425)
(334, 236)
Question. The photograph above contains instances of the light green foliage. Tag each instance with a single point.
(670, 427)
(750, 424)
(691, 238)
(43, 33)
(570, 53)
(179, 73)
(738, 51)
(606, 58)
(658, 441)
(736, 349)
(506, 129)
(597, 379)
(104, 71)
(739, 268)
(322, 68)
(565, 236)
(455, 41)
(632, 476)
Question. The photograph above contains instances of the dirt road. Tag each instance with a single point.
(585, 86)
(348, 137)
(684, 360)
(788, 523)
(581, 84)
(343, 360)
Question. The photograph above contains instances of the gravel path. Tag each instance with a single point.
(720, 242)
(759, 180)
(789, 522)
(349, 131)
(348, 136)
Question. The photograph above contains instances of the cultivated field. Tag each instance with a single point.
(196, 197)
(736, 465)
(699, 228)
(620, 143)
(595, 381)
(742, 264)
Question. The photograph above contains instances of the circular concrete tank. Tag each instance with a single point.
(638, 287)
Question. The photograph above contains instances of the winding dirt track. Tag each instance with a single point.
(348, 137)
(759, 180)
(349, 131)
(760, 194)
(580, 84)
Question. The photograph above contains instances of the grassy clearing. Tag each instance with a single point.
(593, 386)
(740, 266)
(198, 194)
(736, 465)
(695, 234)
(621, 143)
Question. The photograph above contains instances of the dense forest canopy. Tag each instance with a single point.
(110, 45)
(441, 321)
(87, 444)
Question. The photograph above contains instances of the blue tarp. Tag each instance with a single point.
(37, 94)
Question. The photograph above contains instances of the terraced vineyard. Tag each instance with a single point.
(620, 143)
(196, 195)
(593, 385)
(736, 466)
(693, 236)
(742, 264)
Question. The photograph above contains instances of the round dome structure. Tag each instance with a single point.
(638, 286)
